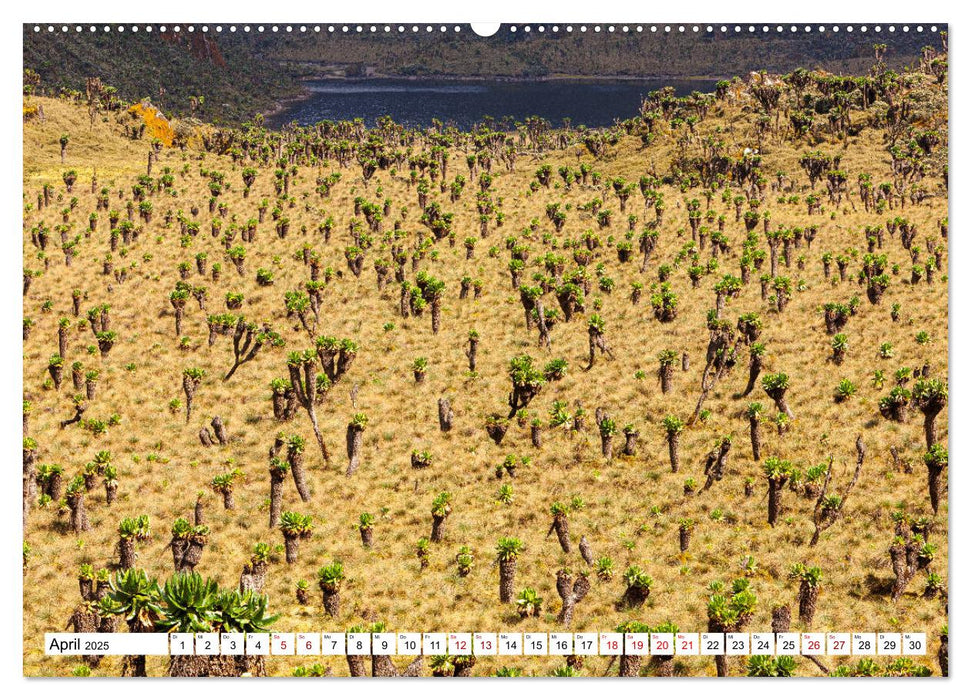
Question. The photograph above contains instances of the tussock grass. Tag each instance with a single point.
(632, 504)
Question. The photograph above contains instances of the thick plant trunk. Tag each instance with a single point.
(54, 486)
(134, 667)
(179, 547)
(279, 405)
(299, 475)
(775, 503)
(193, 554)
(507, 580)
(544, 331)
(332, 601)
(325, 455)
(56, 372)
(942, 655)
(356, 664)
(562, 528)
(108, 624)
(29, 486)
(463, 666)
(79, 516)
(684, 538)
(934, 486)
(662, 666)
(276, 499)
(755, 430)
(754, 369)
(438, 528)
(721, 665)
(673, 440)
(436, 315)
(220, 430)
(607, 446)
(903, 562)
(630, 666)
(355, 438)
(635, 596)
(382, 667)
(253, 577)
(779, 396)
(445, 415)
(472, 352)
(930, 428)
(219, 666)
(571, 592)
(586, 551)
(667, 374)
(808, 596)
(781, 619)
(189, 388)
(292, 545)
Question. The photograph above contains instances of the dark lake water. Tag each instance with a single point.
(463, 103)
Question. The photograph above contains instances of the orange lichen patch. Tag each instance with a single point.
(156, 124)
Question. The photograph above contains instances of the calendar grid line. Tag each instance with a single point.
(518, 643)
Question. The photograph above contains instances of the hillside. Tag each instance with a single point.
(655, 54)
(629, 508)
(241, 74)
(168, 68)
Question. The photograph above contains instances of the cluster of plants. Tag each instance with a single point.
(263, 249)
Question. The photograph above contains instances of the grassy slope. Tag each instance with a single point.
(384, 583)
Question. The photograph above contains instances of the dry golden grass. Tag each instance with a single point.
(384, 584)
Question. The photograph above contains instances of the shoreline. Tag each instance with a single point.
(280, 106)
(556, 77)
